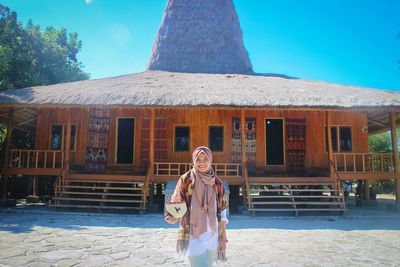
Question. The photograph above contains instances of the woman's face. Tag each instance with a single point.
(202, 163)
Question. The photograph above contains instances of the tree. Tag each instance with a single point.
(382, 143)
(30, 57)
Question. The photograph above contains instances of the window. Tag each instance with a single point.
(125, 137)
(215, 138)
(182, 138)
(345, 139)
(56, 137)
(58, 131)
(341, 139)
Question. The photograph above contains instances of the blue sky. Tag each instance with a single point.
(341, 41)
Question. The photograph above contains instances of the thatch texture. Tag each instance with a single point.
(159, 88)
(200, 36)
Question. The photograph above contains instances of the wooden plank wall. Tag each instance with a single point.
(199, 120)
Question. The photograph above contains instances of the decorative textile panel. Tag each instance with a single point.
(295, 143)
(160, 141)
(250, 142)
(96, 146)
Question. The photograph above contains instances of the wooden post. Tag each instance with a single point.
(243, 137)
(35, 191)
(151, 159)
(67, 148)
(395, 153)
(4, 178)
(244, 158)
(330, 149)
(151, 136)
(366, 190)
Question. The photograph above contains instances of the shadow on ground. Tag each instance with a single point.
(26, 218)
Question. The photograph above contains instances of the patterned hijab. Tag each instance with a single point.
(204, 192)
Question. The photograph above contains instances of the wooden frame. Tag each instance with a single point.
(62, 135)
(76, 136)
(338, 126)
(64, 129)
(116, 139)
(174, 138)
(223, 137)
(283, 140)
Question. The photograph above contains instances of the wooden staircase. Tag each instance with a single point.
(296, 197)
(99, 194)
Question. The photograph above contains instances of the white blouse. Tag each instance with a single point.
(206, 241)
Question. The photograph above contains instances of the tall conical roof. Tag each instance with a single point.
(200, 36)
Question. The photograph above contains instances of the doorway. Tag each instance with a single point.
(125, 140)
(274, 143)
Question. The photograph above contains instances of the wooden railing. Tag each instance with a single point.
(179, 168)
(25, 158)
(363, 162)
(146, 184)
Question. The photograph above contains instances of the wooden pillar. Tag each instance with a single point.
(67, 148)
(366, 190)
(35, 191)
(395, 153)
(330, 149)
(244, 157)
(243, 137)
(4, 178)
(151, 151)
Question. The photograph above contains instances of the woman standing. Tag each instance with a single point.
(202, 231)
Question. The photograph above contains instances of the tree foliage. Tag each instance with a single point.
(382, 143)
(30, 56)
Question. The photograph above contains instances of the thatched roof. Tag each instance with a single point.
(159, 88)
(200, 36)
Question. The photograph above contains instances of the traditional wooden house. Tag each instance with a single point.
(281, 143)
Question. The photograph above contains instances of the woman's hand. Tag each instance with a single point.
(222, 248)
(170, 219)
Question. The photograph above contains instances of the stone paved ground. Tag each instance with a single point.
(32, 237)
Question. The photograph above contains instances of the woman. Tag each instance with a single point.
(202, 232)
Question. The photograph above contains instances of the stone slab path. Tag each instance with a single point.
(49, 238)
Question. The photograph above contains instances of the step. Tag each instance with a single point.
(293, 209)
(93, 207)
(296, 203)
(103, 182)
(99, 194)
(295, 184)
(292, 190)
(98, 200)
(287, 196)
(102, 187)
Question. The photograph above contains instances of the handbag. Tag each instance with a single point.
(177, 210)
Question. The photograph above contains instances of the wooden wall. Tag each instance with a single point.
(199, 120)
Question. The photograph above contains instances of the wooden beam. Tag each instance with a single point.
(106, 177)
(377, 123)
(35, 191)
(243, 135)
(369, 176)
(396, 163)
(27, 121)
(330, 150)
(67, 148)
(151, 135)
(4, 177)
(31, 171)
